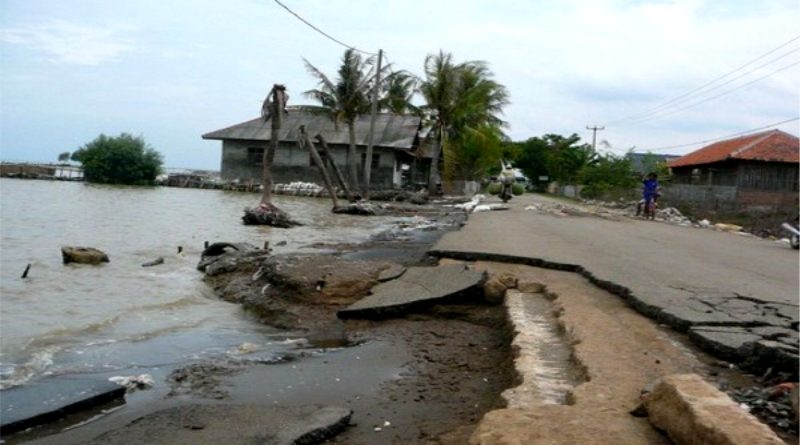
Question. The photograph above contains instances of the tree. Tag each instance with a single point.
(124, 159)
(64, 157)
(345, 100)
(266, 213)
(462, 104)
(566, 157)
(273, 107)
(397, 92)
(656, 164)
(609, 172)
(530, 156)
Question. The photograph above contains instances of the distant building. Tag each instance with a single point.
(757, 171)
(395, 161)
(639, 161)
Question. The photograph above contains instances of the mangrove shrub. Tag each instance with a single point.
(124, 159)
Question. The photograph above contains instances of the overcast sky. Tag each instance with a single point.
(172, 70)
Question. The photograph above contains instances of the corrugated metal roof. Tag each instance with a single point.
(771, 146)
(391, 130)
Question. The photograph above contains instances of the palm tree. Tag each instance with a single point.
(345, 100)
(397, 91)
(462, 103)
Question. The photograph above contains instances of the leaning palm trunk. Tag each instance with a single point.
(306, 142)
(337, 173)
(352, 157)
(267, 213)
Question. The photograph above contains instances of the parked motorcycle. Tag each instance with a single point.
(794, 230)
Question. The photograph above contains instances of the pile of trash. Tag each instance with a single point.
(299, 188)
(133, 382)
(775, 405)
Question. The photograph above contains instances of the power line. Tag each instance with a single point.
(321, 31)
(656, 116)
(726, 137)
(689, 93)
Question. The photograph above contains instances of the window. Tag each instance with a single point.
(376, 160)
(255, 155)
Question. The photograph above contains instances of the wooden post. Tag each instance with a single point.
(27, 269)
(320, 165)
(371, 135)
(336, 171)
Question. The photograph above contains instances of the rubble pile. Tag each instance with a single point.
(772, 405)
(298, 188)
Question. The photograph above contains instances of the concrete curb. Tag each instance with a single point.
(45, 402)
(692, 411)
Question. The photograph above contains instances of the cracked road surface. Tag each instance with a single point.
(736, 296)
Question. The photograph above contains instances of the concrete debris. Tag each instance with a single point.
(134, 382)
(489, 208)
(470, 205)
(692, 411)
(417, 288)
(628, 208)
(299, 188)
(728, 227)
(237, 424)
(773, 405)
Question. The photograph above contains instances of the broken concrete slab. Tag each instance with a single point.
(394, 271)
(53, 399)
(232, 425)
(692, 411)
(418, 288)
(726, 342)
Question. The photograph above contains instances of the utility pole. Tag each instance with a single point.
(368, 161)
(595, 129)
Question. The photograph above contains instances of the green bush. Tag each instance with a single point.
(119, 160)
(494, 188)
(517, 189)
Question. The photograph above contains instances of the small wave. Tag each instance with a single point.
(73, 334)
(20, 374)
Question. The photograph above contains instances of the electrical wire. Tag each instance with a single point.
(321, 31)
(645, 119)
(727, 136)
(686, 95)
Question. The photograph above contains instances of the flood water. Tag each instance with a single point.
(120, 318)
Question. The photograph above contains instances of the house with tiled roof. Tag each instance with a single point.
(756, 171)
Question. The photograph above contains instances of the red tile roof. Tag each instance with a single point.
(772, 146)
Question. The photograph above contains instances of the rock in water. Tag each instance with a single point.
(268, 215)
(83, 255)
(155, 262)
(359, 208)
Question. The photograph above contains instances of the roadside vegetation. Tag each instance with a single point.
(124, 159)
(564, 159)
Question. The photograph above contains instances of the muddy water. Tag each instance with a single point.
(120, 318)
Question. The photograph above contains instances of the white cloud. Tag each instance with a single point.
(73, 43)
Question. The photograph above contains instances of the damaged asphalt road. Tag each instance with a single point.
(736, 297)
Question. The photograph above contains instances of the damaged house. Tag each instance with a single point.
(757, 172)
(396, 161)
